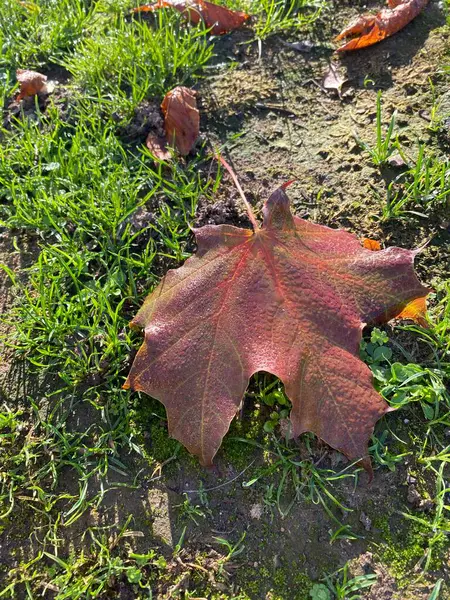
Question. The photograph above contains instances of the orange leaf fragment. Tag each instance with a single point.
(31, 83)
(370, 29)
(416, 311)
(181, 118)
(371, 244)
(219, 18)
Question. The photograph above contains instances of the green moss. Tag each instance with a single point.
(152, 433)
(285, 582)
(403, 548)
(238, 452)
(162, 446)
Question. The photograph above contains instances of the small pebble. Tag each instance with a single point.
(413, 496)
(366, 521)
(396, 161)
(426, 505)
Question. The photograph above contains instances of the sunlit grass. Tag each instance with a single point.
(36, 32)
(128, 60)
(275, 16)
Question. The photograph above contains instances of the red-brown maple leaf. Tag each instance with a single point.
(290, 298)
(371, 29)
(219, 18)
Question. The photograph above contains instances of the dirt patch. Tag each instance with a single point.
(17, 252)
(288, 126)
(147, 118)
(279, 124)
(226, 209)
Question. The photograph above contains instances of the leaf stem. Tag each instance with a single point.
(251, 214)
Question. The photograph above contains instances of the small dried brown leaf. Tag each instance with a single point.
(31, 83)
(333, 80)
(181, 118)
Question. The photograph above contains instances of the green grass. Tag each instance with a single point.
(107, 560)
(404, 385)
(386, 143)
(300, 480)
(422, 186)
(344, 587)
(125, 61)
(106, 222)
(33, 34)
(275, 16)
(83, 199)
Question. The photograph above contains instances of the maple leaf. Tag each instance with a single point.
(219, 18)
(371, 29)
(290, 298)
(31, 83)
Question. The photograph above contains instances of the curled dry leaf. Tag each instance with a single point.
(290, 298)
(220, 19)
(370, 29)
(158, 146)
(333, 80)
(181, 118)
(31, 83)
